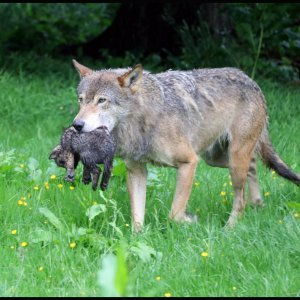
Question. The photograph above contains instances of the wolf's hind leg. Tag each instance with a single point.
(255, 197)
(185, 176)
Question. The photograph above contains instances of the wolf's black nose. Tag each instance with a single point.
(78, 124)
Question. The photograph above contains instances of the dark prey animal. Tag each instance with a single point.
(91, 148)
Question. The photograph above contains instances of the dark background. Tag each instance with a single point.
(263, 39)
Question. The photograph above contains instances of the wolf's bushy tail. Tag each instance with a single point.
(272, 160)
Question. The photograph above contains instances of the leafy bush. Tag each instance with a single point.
(263, 39)
(44, 26)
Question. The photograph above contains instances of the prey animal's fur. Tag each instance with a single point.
(175, 117)
(92, 148)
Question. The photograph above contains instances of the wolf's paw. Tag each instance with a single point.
(258, 202)
(190, 218)
(185, 217)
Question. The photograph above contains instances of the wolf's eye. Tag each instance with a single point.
(101, 100)
(80, 99)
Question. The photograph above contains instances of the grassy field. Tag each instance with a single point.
(58, 239)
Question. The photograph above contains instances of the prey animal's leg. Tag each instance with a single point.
(70, 168)
(136, 183)
(96, 171)
(185, 176)
(255, 197)
(106, 174)
(86, 177)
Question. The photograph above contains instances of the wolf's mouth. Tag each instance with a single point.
(102, 127)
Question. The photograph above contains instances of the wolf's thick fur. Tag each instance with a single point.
(170, 118)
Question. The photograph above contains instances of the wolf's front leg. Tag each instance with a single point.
(184, 182)
(136, 183)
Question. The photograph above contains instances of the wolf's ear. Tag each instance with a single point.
(82, 70)
(55, 152)
(131, 78)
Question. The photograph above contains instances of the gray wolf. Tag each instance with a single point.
(173, 119)
(92, 148)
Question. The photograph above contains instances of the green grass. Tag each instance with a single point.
(260, 257)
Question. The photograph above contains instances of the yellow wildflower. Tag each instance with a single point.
(157, 278)
(22, 165)
(25, 203)
(204, 254)
(72, 187)
(14, 231)
(234, 288)
(53, 177)
(20, 202)
(72, 245)
(225, 184)
(296, 215)
(230, 183)
(41, 269)
(36, 187)
(24, 244)
(60, 186)
(168, 294)
(267, 194)
(197, 183)
(23, 198)
(223, 193)
(127, 225)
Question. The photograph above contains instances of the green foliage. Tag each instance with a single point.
(260, 257)
(264, 36)
(31, 26)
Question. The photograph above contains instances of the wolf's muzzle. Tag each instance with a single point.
(78, 124)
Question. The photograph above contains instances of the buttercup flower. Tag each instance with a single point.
(223, 193)
(53, 177)
(157, 278)
(14, 231)
(24, 244)
(36, 187)
(41, 269)
(72, 245)
(267, 194)
(72, 187)
(60, 186)
(204, 254)
(168, 294)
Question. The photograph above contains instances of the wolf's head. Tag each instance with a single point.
(104, 96)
